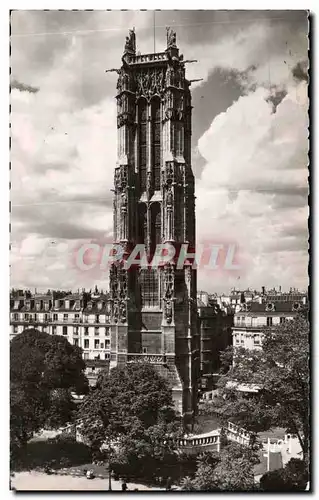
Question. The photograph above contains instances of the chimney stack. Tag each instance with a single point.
(263, 290)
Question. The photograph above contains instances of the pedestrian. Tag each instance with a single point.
(124, 486)
(169, 484)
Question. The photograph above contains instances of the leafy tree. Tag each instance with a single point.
(230, 470)
(131, 413)
(203, 480)
(280, 371)
(235, 468)
(293, 477)
(43, 371)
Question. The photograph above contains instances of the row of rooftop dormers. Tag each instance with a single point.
(59, 301)
(271, 308)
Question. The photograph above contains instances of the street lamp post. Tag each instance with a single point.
(110, 478)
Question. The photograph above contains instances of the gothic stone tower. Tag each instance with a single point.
(154, 315)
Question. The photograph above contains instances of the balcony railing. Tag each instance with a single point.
(146, 358)
(147, 58)
(241, 326)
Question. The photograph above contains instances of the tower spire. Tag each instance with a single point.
(154, 29)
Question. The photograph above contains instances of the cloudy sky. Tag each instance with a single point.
(249, 139)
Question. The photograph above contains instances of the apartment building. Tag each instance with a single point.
(83, 318)
(254, 316)
(215, 328)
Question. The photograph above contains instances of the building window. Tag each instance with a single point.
(142, 124)
(15, 316)
(102, 345)
(86, 344)
(35, 317)
(96, 330)
(149, 287)
(107, 332)
(65, 317)
(156, 226)
(76, 342)
(144, 350)
(55, 317)
(26, 317)
(15, 329)
(237, 340)
(107, 356)
(96, 343)
(53, 330)
(64, 330)
(86, 355)
(76, 317)
(156, 142)
(97, 318)
(86, 330)
(107, 344)
(282, 320)
(75, 330)
(257, 339)
(46, 317)
(269, 321)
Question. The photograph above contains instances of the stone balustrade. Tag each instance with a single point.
(147, 58)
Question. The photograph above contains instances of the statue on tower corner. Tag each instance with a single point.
(130, 43)
(171, 38)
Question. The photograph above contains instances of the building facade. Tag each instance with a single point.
(254, 316)
(153, 310)
(82, 318)
(215, 326)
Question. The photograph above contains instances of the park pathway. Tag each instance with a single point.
(38, 481)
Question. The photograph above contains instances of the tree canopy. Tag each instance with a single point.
(230, 470)
(279, 372)
(131, 412)
(43, 371)
(293, 477)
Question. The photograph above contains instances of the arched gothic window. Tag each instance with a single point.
(156, 142)
(149, 287)
(156, 225)
(142, 223)
(142, 126)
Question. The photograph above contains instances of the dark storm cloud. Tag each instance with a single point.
(284, 201)
(300, 72)
(293, 238)
(199, 26)
(67, 230)
(296, 230)
(42, 168)
(57, 223)
(288, 245)
(23, 87)
(283, 190)
(221, 83)
(276, 97)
